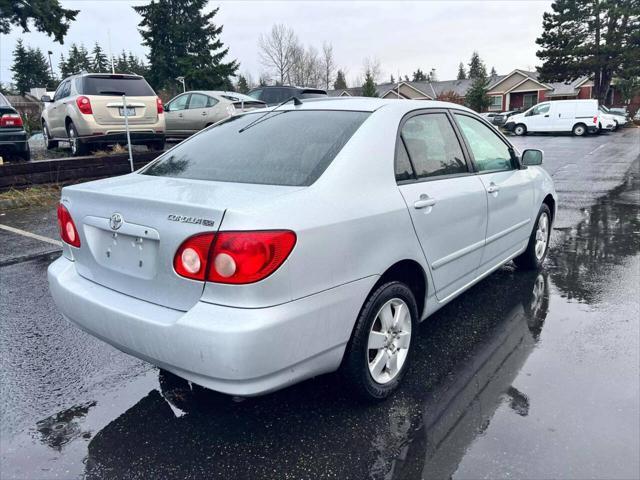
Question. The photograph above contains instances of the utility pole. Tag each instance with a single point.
(49, 52)
(181, 80)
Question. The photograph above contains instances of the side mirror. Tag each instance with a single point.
(46, 99)
(532, 156)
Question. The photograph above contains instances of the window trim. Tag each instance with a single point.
(188, 95)
(514, 158)
(471, 169)
(189, 107)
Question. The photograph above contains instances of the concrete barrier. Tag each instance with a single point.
(60, 170)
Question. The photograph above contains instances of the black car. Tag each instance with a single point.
(278, 94)
(501, 118)
(13, 137)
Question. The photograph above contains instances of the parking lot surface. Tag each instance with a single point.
(527, 375)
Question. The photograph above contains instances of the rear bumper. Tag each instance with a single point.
(509, 126)
(237, 351)
(592, 128)
(15, 140)
(121, 137)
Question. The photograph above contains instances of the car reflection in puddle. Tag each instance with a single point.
(465, 363)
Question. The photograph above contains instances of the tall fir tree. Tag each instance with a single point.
(477, 68)
(462, 73)
(369, 86)
(184, 41)
(476, 97)
(598, 38)
(340, 83)
(99, 61)
(122, 63)
(419, 76)
(243, 86)
(30, 68)
(493, 72)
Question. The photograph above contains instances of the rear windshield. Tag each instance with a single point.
(129, 86)
(283, 148)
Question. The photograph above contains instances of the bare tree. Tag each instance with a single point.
(305, 67)
(276, 50)
(328, 65)
(372, 67)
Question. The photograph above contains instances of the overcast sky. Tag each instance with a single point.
(401, 35)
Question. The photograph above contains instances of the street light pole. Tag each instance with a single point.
(49, 52)
(181, 80)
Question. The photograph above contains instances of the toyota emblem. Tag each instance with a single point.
(115, 222)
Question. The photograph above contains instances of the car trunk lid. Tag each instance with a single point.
(130, 228)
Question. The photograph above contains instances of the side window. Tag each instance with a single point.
(433, 146)
(489, 151)
(256, 94)
(541, 109)
(404, 170)
(62, 91)
(211, 101)
(198, 100)
(179, 103)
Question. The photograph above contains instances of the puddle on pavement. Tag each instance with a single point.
(526, 375)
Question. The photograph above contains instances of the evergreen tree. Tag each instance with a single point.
(392, 80)
(46, 15)
(30, 68)
(493, 72)
(100, 62)
(406, 78)
(476, 67)
(183, 40)
(462, 73)
(476, 97)
(243, 86)
(598, 38)
(419, 76)
(340, 83)
(122, 63)
(77, 60)
(63, 66)
(369, 86)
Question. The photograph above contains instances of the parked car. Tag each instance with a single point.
(14, 141)
(618, 118)
(577, 116)
(488, 116)
(276, 246)
(87, 111)
(501, 118)
(192, 111)
(273, 95)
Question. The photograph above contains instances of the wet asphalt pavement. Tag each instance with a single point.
(527, 375)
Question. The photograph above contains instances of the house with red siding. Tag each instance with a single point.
(518, 90)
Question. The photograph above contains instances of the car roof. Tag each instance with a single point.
(369, 104)
(227, 93)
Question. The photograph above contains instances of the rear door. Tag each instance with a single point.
(174, 115)
(509, 191)
(446, 200)
(196, 116)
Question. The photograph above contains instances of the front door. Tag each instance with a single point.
(196, 116)
(56, 113)
(509, 191)
(446, 200)
(174, 115)
(539, 119)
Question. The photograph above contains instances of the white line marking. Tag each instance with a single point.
(31, 235)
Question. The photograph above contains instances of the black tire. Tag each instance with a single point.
(77, 147)
(48, 143)
(25, 155)
(355, 365)
(529, 259)
(579, 130)
(520, 129)
(156, 146)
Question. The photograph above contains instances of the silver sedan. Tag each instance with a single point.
(190, 112)
(288, 243)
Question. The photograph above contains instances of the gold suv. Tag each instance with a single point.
(87, 110)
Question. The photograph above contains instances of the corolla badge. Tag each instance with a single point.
(115, 222)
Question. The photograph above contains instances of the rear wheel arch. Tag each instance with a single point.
(412, 275)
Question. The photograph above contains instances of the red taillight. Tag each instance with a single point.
(595, 120)
(68, 231)
(159, 105)
(10, 120)
(84, 104)
(233, 257)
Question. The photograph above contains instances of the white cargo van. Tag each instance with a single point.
(577, 116)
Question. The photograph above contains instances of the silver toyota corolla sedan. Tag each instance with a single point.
(313, 237)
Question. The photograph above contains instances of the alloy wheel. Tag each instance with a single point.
(542, 236)
(389, 340)
(73, 140)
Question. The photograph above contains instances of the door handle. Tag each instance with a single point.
(546, 116)
(204, 114)
(180, 115)
(424, 202)
(493, 188)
